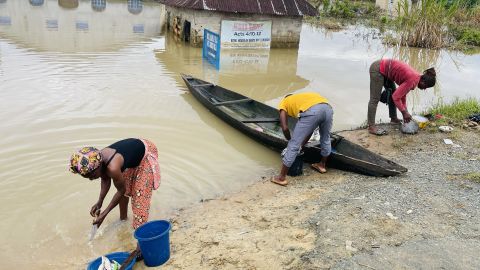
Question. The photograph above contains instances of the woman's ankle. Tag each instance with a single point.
(394, 120)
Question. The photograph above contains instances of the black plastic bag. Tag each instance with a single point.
(386, 96)
(297, 167)
(474, 117)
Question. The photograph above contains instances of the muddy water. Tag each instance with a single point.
(75, 73)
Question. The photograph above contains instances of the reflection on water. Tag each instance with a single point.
(135, 6)
(65, 88)
(52, 24)
(36, 2)
(81, 25)
(99, 5)
(68, 4)
(50, 29)
(5, 20)
(261, 74)
(242, 143)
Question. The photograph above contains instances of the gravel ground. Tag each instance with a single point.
(426, 219)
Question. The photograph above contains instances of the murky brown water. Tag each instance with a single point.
(79, 73)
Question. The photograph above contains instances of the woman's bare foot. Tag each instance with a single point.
(319, 167)
(279, 181)
(377, 131)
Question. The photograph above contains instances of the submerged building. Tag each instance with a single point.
(392, 6)
(187, 19)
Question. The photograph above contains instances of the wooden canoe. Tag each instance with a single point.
(260, 122)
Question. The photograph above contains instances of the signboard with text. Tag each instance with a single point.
(246, 35)
(211, 48)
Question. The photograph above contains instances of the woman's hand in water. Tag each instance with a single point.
(100, 219)
(94, 211)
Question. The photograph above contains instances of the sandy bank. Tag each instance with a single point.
(425, 219)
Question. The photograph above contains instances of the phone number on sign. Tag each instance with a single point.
(250, 40)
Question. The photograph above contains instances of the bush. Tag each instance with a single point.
(347, 9)
(342, 9)
(425, 24)
(470, 37)
(469, 3)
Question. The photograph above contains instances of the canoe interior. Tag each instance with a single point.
(260, 121)
(255, 118)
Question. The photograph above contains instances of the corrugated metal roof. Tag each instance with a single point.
(270, 7)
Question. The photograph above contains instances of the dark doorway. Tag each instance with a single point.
(168, 20)
(186, 31)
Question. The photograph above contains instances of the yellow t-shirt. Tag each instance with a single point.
(297, 103)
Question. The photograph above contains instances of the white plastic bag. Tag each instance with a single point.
(410, 127)
(445, 129)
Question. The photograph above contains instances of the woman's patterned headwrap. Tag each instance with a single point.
(85, 161)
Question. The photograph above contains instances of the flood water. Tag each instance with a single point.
(75, 73)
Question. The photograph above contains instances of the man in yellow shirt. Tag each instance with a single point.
(312, 111)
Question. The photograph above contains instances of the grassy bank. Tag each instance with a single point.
(428, 24)
(438, 24)
(466, 27)
(457, 112)
(424, 25)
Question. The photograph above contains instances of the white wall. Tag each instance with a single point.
(285, 30)
(391, 6)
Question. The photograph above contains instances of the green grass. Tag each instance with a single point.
(474, 177)
(469, 37)
(456, 111)
(346, 9)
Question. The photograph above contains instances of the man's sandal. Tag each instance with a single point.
(317, 168)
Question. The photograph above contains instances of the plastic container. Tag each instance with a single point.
(154, 241)
(120, 257)
(421, 121)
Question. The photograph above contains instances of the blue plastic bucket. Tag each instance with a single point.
(154, 241)
(120, 257)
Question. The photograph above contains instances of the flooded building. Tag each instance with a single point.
(391, 6)
(187, 19)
